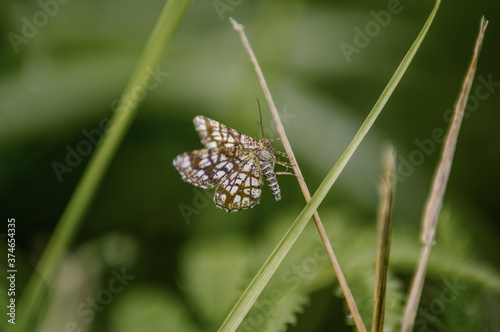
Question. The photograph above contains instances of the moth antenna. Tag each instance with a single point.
(260, 115)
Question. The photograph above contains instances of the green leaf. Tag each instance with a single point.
(156, 309)
(213, 271)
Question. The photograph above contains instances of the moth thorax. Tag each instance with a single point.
(266, 154)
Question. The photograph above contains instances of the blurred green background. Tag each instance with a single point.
(61, 78)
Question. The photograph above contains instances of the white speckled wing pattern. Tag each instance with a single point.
(234, 161)
(214, 134)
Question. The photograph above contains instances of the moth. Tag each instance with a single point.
(233, 161)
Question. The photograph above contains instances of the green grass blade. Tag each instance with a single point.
(256, 286)
(33, 295)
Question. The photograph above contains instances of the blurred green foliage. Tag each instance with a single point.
(59, 85)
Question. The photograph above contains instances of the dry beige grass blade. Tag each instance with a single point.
(279, 126)
(435, 198)
(387, 187)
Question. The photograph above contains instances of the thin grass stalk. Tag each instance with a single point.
(386, 192)
(67, 227)
(435, 199)
(303, 186)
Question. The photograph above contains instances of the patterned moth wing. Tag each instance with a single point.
(214, 134)
(240, 189)
(203, 168)
(234, 161)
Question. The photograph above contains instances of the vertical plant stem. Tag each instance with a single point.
(303, 186)
(384, 238)
(440, 180)
(68, 225)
